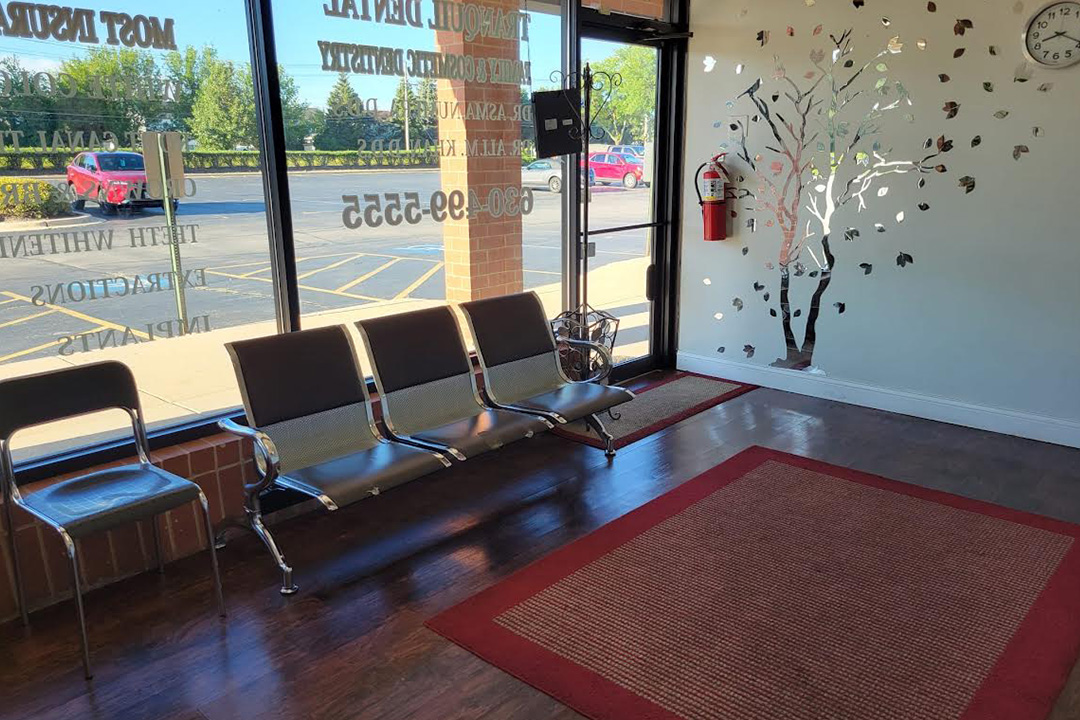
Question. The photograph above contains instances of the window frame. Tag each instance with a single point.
(269, 119)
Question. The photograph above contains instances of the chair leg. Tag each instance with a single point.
(595, 424)
(287, 586)
(159, 557)
(15, 564)
(213, 554)
(76, 584)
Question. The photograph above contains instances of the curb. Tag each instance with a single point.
(60, 222)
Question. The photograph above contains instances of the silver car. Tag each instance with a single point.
(545, 173)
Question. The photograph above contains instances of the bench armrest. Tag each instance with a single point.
(268, 463)
(588, 347)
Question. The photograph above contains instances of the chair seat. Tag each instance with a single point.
(488, 430)
(112, 497)
(574, 401)
(353, 477)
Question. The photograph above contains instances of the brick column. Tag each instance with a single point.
(482, 253)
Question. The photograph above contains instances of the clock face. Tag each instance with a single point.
(1052, 38)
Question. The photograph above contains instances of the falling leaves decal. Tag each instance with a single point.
(904, 259)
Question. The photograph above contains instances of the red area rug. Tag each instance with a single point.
(773, 586)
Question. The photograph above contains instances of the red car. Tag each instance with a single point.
(114, 180)
(610, 168)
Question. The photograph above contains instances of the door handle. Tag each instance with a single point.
(650, 283)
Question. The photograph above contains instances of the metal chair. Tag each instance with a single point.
(101, 500)
(427, 387)
(522, 370)
(309, 418)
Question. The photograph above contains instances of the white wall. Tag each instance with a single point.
(983, 329)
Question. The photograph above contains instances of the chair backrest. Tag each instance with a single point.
(69, 392)
(305, 390)
(422, 369)
(515, 345)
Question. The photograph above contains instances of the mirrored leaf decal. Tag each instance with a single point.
(745, 251)
(814, 274)
(758, 287)
(763, 37)
(968, 183)
(941, 169)
(958, 52)
(944, 78)
(1046, 87)
(988, 86)
(1001, 114)
(859, 4)
(790, 31)
(798, 313)
(886, 21)
(850, 234)
(1023, 73)
(895, 46)
(1019, 151)
(931, 6)
(749, 350)
(800, 269)
(944, 145)
(879, 227)
(928, 144)
(962, 26)
(737, 303)
(921, 43)
(766, 297)
(924, 206)
(718, 316)
(818, 29)
(901, 216)
(840, 307)
(1038, 132)
(772, 312)
(721, 349)
(904, 259)
(922, 183)
(993, 50)
(976, 141)
(867, 268)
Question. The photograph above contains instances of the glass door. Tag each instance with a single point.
(621, 183)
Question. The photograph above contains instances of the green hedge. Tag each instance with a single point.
(26, 198)
(37, 161)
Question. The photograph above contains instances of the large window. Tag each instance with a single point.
(91, 268)
(426, 189)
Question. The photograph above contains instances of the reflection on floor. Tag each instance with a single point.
(352, 643)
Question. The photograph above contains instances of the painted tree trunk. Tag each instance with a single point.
(800, 358)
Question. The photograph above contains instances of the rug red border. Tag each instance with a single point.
(1023, 685)
(671, 419)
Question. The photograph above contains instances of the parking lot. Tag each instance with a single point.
(228, 267)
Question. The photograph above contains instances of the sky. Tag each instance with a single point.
(300, 24)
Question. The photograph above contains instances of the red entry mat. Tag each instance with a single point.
(774, 586)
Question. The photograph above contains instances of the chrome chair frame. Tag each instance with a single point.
(410, 440)
(13, 497)
(268, 468)
(593, 421)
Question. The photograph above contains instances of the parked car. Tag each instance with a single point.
(547, 173)
(114, 180)
(543, 173)
(635, 150)
(611, 169)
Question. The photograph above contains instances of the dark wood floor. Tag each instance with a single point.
(352, 643)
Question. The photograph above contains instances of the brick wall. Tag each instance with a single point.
(218, 464)
(482, 253)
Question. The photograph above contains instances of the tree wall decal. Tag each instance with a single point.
(823, 151)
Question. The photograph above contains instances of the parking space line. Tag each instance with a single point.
(331, 266)
(5, 302)
(32, 350)
(423, 279)
(9, 323)
(368, 276)
(106, 324)
(256, 272)
(302, 287)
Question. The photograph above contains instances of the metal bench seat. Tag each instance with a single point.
(427, 388)
(522, 368)
(310, 421)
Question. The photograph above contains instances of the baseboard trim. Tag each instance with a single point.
(1010, 422)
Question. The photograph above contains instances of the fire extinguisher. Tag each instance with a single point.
(712, 196)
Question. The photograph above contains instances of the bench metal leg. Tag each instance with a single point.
(76, 584)
(595, 424)
(213, 555)
(255, 524)
(15, 563)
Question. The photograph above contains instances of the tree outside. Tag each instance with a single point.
(629, 116)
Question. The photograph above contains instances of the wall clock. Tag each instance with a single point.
(1052, 37)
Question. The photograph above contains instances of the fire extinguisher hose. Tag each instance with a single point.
(697, 183)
